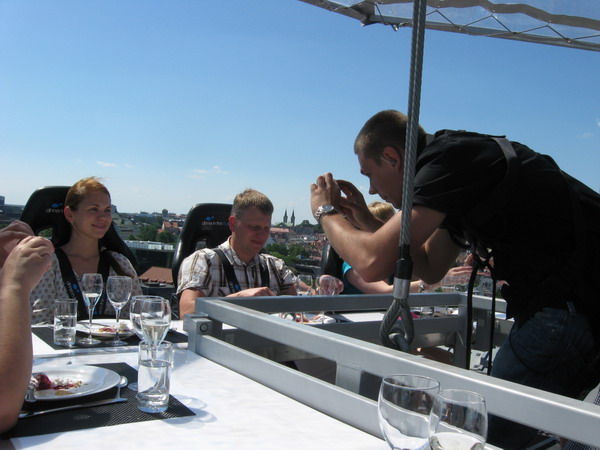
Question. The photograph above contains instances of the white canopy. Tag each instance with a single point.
(568, 23)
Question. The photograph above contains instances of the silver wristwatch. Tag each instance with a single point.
(324, 209)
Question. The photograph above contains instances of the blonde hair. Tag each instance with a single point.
(83, 187)
(382, 210)
(251, 198)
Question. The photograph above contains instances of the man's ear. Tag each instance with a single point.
(231, 223)
(391, 156)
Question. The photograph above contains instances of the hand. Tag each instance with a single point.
(330, 285)
(262, 291)
(28, 262)
(354, 207)
(10, 237)
(324, 191)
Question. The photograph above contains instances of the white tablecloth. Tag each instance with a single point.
(232, 411)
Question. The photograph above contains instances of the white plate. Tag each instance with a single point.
(93, 380)
(83, 327)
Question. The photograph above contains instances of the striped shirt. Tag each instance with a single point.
(203, 271)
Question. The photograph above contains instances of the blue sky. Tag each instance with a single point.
(178, 102)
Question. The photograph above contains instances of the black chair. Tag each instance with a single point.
(331, 263)
(44, 210)
(206, 226)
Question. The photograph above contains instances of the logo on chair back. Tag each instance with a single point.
(211, 222)
(56, 208)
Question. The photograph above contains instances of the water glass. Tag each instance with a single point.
(65, 321)
(458, 420)
(403, 409)
(154, 374)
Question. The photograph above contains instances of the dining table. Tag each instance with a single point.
(212, 407)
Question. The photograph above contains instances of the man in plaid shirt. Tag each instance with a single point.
(237, 268)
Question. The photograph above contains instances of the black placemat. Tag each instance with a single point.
(96, 416)
(46, 334)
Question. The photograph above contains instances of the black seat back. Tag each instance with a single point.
(206, 224)
(331, 263)
(44, 210)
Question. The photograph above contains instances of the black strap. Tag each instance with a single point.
(72, 285)
(234, 285)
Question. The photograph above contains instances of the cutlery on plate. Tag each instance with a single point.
(116, 399)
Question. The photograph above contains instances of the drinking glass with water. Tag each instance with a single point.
(65, 321)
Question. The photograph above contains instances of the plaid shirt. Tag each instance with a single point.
(203, 271)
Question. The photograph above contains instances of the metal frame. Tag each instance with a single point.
(221, 327)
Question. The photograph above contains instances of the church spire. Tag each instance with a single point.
(285, 217)
(293, 218)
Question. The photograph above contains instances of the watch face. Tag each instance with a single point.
(327, 208)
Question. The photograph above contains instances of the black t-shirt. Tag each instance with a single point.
(531, 234)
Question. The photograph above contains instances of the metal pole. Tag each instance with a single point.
(403, 275)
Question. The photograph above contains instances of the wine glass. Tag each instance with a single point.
(118, 290)
(403, 408)
(135, 314)
(91, 288)
(458, 420)
(155, 320)
(304, 287)
(328, 285)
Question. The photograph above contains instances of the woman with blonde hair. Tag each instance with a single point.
(88, 210)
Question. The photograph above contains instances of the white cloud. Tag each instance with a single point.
(215, 169)
(129, 166)
(586, 135)
(598, 122)
(106, 164)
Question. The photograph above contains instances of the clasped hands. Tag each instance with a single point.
(346, 198)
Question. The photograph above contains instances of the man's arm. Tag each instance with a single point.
(374, 254)
(187, 301)
(24, 268)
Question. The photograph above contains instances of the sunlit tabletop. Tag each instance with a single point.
(231, 410)
(41, 349)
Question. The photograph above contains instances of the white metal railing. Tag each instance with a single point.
(254, 340)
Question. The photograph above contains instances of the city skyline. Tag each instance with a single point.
(178, 103)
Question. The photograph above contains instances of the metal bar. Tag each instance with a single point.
(360, 359)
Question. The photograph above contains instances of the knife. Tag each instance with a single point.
(25, 415)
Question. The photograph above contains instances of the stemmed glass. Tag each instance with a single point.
(403, 408)
(118, 290)
(156, 321)
(458, 420)
(135, 316)
(91, 288)
(304, 287)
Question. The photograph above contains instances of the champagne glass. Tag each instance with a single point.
(91, 288)
(328, 285)
(135, 314)
(403, 408)
(304, 287)
(155, 320)
(118, 290)
(458, 420)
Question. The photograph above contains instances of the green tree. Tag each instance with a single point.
(147, 233)
(165, 237)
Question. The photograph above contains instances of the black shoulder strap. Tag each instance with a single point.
(71, 283)
(234, 285)
(232, 281)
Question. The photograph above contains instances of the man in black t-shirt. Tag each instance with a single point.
(541, 226)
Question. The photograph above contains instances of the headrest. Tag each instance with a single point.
(44, 210)
(206, 222)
